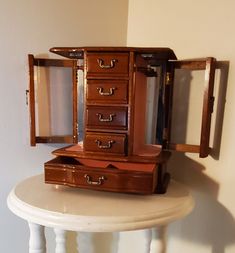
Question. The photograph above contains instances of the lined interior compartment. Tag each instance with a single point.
(63, 160)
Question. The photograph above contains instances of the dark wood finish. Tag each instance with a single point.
(41, 62)
(131, 99)
(75, 102)
(107, 91)
(208, 103)
(153, 54)
(115, 97)
(110, 116)
(72, 151)
(194, 64)
(73, 173)
(105, 143)
(167, 96)
(184, 147)
(207, 64)
(106, 117)
(32, 101)
(55, 139)
(107, 64)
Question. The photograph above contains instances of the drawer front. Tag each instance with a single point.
(106, 117)
(113, 144)
(100, 179)
(54, 174)
(107, 64)
(109, 91)
(58, 170)
(117, 181)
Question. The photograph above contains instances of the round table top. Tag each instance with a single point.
(95, 211)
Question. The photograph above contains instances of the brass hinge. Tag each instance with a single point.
(211, 103)
(27, 96)
(165, 133)
(80, 65)
(168, 78)
(75, 136)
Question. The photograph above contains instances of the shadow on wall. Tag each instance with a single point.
(210, 223)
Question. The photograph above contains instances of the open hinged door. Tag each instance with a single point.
(53, 100)
(207, 67)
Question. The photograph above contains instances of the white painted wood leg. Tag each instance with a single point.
(158, 244)
(37, 240)
(60, 239)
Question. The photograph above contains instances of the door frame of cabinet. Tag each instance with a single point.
(43, 62)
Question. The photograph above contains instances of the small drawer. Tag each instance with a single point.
(72, 172)
(107, 91)
(103, 117)
(107, 64)
(105, 143)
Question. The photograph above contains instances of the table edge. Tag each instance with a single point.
(93, 223)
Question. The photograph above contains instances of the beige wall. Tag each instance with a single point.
(33, 27)
(198, 29)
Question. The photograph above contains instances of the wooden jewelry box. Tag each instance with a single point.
(116, 104)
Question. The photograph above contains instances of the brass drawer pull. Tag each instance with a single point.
(102, 93)
(109, 119)
(108, 146)
(99, 182)
(103, 66)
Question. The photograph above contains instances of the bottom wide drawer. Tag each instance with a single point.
(71, 172)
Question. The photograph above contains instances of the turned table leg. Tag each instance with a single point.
(158, 243)
(60, 239)
(37, 241)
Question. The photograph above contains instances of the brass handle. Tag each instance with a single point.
(103, 66)
(109, 119)
(108, 146)
(99, 182)
(102, 93)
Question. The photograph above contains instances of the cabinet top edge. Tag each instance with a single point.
(78, 52)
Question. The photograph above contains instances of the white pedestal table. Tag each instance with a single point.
(64, 208)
